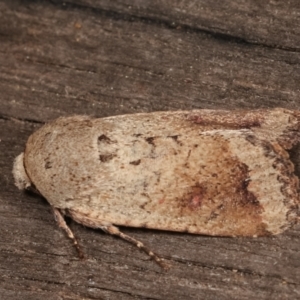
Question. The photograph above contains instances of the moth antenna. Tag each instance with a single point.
(113, 230)
(62, 224)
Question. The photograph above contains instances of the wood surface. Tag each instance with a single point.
(105, 58)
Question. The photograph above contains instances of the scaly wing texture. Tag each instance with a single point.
(204, 172)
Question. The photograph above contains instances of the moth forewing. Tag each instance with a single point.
(203, 172)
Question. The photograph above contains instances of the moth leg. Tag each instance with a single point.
(62, 224)
(111, 229)
(94, 222)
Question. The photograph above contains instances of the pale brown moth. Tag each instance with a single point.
(210, 172)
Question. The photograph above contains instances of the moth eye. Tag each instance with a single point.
(32, 189)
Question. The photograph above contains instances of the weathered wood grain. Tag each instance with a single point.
(268, 23)
(111, 57)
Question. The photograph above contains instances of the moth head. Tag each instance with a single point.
(21, 179)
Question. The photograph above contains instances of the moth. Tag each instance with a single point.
(208, 172)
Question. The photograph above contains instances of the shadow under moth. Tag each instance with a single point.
(209, 172)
